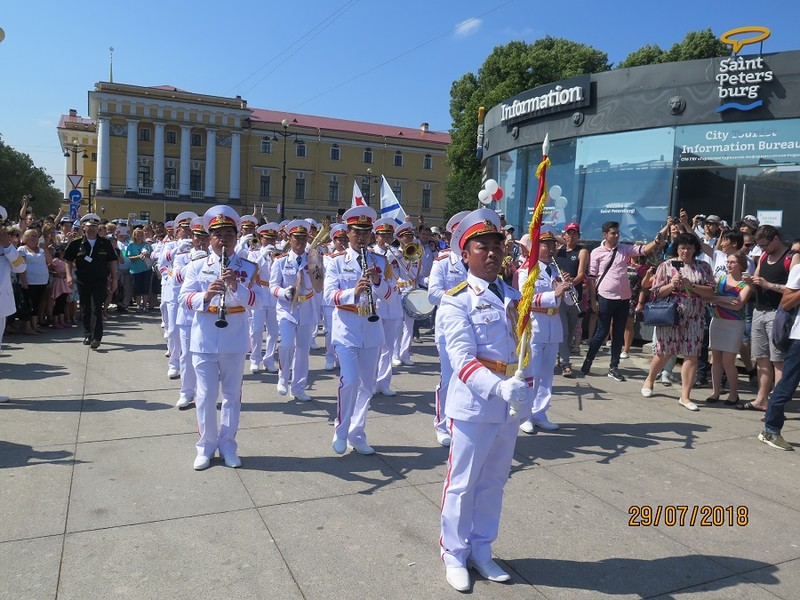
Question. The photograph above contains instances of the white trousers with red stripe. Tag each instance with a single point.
(293, 354)
(173, 335)
(402, 346)
(215, 371)
(543, 359)
(188, 375)
(477, 472)
(327, 315)
(391, 329)
(439, 420)
(357, 368)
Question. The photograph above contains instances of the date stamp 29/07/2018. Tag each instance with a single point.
(685, 515)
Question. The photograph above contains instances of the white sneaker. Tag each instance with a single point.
(443, 438)
(302, 396)
(458, 578)
(666, 379)
(173, 373)
(528, 427)
(339, 445)
(608, 344)
(361, 447)
(183, 401)
(489, 570)
(201, 462)
(396, 362)
(624, 354)
(386, 392)
(282, 389)
(546, 424)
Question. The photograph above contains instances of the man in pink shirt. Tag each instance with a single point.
(610, 293)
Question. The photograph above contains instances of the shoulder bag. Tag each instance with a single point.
(662, 312)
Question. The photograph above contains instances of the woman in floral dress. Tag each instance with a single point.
(691, 283)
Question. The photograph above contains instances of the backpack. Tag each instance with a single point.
(787, 260)
(782, 328)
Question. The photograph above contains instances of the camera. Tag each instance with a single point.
(677, 264)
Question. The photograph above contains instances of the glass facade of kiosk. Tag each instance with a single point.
(639, 177)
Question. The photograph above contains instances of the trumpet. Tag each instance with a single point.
(571, 291)
(373, 313)
(222, 310)
(412, 252)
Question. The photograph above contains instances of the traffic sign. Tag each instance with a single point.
(75, 195)
(75, 180)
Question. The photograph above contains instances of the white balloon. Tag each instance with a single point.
(555, 192)
(561, 202)
(491, 186)
(485, 197)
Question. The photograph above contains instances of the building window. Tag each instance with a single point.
(366, 189)
(299, 187)
(170, 178)
(398, 159)
(398, 191)
(144, 176)
(195, 180)
(335, 152)
(427, 162)
(197, 139)
(300, 149)
(266, 146)
(94, 156)
(263, 186)
(171, 137)
(426, 197)
(367, 156)
(333, 190)
(144, 134)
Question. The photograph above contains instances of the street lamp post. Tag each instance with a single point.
(284, 134)
(73, 151)
(366, 182)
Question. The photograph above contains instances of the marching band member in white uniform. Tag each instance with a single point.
(547, 332)
(184, 317)
(264, 314)
(390, 310)
(349, 286)
(478, 319)
(10, 262)
(248, 234)
(170, 288)
(293, 281)
(447, 272)
(218, 353)
(408, 274)
(159, 255)
(339, 244)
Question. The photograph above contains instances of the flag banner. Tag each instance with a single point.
(358, 197)
(390, 207)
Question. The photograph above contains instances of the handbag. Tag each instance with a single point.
(782, 328)
(665, 311)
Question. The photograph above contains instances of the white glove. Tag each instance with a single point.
(288, 293)
(244, 241)
(512, 391)
(184, 245)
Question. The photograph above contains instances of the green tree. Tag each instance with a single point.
(696, 45)
(19, 176)
(646, 55)
(506, 72)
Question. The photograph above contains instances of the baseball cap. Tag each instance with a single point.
(572, 227)
(509, 228)
(714, 219)
(751, 221)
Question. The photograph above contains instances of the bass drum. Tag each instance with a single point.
(416, 305)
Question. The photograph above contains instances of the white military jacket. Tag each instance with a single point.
(447, 272)
(282, 276)
(477, 325)
(391, 307)
(10, 262)
(350, 326)
(545, 328)
(206, 336)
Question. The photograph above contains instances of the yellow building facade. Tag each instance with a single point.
(157, 151)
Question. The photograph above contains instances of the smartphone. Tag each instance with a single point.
(677, 264)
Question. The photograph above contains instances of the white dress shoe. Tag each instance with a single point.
(329, 365)
(528, 427)
(443, 438)
(254, 368)
(339, 445)
(4, 399)
(231, 460)
(361, 448)
(183, 401)
(688, 405)
(166, 353)
(387, 392)
(490, 570)
(647, 392)
(458, 578)
(396, 362)
(302, 396)
(315, 346)
(407, 362)
(545, 424)
(270, 368)
(173, 373)
(201, 462)
(282, 389)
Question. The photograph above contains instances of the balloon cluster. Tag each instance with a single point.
(491, 191)
(555, 195)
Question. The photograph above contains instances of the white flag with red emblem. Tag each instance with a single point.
(358, 197)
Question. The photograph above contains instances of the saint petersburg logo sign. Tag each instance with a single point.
(740, 78)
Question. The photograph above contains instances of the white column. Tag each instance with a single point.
(103, 155)
(211, 163)
(186, 160)
(235, 158)
(132, 159)
(158, 160)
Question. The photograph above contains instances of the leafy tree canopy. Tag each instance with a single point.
(518, 66)
(19, 176)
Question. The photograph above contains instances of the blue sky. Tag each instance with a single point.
(370, 60)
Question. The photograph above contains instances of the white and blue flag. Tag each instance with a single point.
(390, 207)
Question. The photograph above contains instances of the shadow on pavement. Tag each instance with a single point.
(21, 455)
(78, 405)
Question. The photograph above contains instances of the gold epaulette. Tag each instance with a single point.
(281, 255)
(443, 255)
(335, 254)
(456, 288)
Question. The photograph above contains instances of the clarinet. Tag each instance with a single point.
(573, 293)
(373, 313)
(222, 310)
